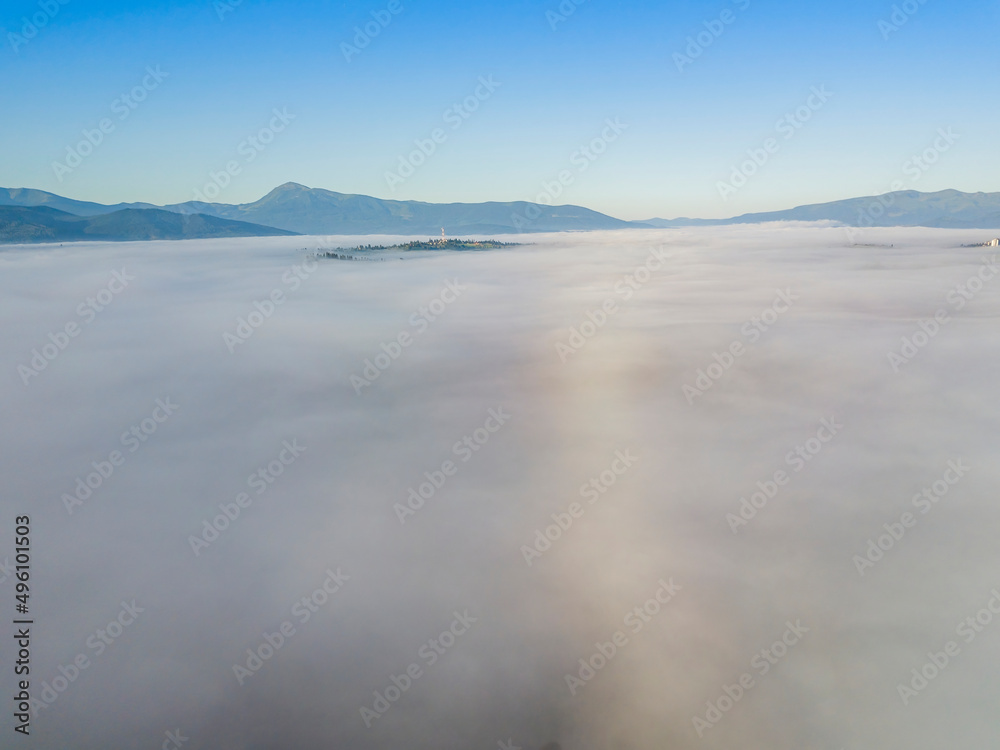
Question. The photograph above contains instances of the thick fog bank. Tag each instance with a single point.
(747, 475)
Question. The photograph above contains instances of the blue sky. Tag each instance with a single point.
(349, 123)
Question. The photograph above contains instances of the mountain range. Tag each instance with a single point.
(302, 210)
(28, 215)
(47, 224)
(948, 209)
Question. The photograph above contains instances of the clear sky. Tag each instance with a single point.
(558, 73)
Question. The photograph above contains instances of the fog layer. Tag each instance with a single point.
(578, 420)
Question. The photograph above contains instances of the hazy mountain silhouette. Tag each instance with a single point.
(47, 224)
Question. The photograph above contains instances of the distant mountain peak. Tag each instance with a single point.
(290, 186)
